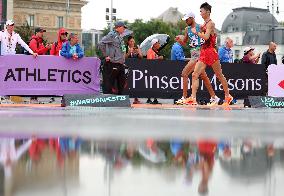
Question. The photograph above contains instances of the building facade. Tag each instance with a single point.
(254, 27)
(49, 14)
(171, 15)
(91, 38)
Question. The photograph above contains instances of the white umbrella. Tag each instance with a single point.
(146, 44)
(154, 157)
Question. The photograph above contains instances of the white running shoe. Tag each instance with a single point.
(180, 101)
(6, 100)
(214, 101)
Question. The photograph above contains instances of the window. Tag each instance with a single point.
(31, 20)
(237, 54)
(237, 41)
(60, 21)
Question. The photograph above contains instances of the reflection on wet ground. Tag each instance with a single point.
(75, 166)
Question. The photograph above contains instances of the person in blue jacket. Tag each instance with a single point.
(72, 48)
(177, 53)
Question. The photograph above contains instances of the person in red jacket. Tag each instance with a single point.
(57, 46)
(36, 42)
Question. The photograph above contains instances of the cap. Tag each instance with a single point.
(120, 24)
(154, 41)
(247, 49)
(10, 22)
(39, 29)
(188, 15)
(71, 35)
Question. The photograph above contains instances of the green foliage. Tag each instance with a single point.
(26, 32)
(144, 29)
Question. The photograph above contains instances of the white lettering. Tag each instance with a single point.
(174, 80)
(242, 84)
(157, 81)
(258, 84)
(136, 79)
(164, 82)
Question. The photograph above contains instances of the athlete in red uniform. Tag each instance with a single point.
(208, 54)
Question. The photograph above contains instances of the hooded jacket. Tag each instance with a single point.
(112, 45)
(36, 44)
(58, 44)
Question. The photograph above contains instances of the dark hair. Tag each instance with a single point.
(129, 38)
(206, 6)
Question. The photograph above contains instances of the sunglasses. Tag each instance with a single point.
(64, 33)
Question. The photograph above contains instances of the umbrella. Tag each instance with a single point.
(157, 156)
(146, 44)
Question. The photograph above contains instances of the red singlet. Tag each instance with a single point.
(208, 53)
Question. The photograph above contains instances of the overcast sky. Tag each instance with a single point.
(93, 14)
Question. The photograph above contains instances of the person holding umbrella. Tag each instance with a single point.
(113, 49)
(152, 54)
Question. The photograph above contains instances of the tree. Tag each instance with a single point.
(142, 30)
(25, 31)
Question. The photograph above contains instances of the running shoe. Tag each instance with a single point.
(6, 100)
(214, 101)
(190, 101)
(227, 100)
(180, 101)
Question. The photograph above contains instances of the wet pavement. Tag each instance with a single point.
(139, 122)
(141, 151)
(62, 166)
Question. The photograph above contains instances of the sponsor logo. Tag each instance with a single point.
(174, 83)
(79, 102)
(281, 84)
(270, 102)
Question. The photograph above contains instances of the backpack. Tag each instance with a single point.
(28, 43)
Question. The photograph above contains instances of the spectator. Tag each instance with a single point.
(269, 57)
(57, 46)
(72, 48)
(225, 52)
(113, 49)
(152, 54)
(36, 42)
(177, 50)
(9, 40)
(249, 56)
(133, 51)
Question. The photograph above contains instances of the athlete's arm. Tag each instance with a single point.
(210, 28)
(185, 35)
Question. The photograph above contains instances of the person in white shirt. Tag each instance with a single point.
(9, 40)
